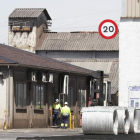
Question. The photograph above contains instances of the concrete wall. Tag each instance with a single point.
(23, 40)
(6, 97)
(129, 58)
(27, 40)
(3, 92)
(66, 54)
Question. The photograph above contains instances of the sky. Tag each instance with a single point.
(67, 15)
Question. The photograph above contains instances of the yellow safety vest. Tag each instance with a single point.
(56, 106)
(65, 110)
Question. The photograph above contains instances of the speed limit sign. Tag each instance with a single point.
(108, 29)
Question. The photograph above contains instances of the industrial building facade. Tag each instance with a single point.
(29, 85)
(28, 30)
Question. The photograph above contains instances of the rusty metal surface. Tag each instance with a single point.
(29, 13)
(23, 29)
(77, 42)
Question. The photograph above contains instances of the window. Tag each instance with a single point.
(21, 94)
(82, 98)
(38, 96)
(70, 97)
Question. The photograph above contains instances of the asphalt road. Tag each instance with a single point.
(64, 136)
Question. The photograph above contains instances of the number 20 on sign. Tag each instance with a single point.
(108, 29)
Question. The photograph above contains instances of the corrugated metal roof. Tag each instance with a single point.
(29, 13)
(77, 42)
(109, 66)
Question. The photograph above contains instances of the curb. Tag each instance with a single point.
(41, 130)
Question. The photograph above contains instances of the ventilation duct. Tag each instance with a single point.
(66, 84)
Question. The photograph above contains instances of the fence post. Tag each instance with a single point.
(70, 120)
(5, 124)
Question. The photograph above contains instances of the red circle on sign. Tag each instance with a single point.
(116, 29)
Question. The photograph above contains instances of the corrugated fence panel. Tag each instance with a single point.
(132, 8)
(137, 9)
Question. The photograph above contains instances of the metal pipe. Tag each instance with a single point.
(123, 117)
(100, 120)
(70, 120)
(133, 119)
(8, 97)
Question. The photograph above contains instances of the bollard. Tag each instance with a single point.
(71, 121)
(5, 125)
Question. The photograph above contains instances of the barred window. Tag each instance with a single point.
(38, 96)
(21, 94)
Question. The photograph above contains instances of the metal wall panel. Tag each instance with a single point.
(137, 10)
(132, 8)
(79, 54)
(129, 11)
(107, 65)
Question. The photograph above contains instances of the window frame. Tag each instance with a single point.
(39, 94)
(79, 98)
(22, 93)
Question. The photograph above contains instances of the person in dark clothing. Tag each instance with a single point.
(56, 107)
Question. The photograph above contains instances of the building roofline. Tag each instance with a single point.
(43, 10)
(8, 60)
(83, 70)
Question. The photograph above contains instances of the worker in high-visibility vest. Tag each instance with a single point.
(56, 107)
(65, 113)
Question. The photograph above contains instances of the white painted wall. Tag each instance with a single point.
(2, 101)
(129, 57)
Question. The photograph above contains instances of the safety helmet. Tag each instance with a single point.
(66, 103)
(57, 100)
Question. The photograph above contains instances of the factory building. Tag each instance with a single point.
(28, 30)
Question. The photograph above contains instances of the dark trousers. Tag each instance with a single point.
(55, 118)
(65, 120)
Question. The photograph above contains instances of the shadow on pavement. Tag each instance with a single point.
(87, 137)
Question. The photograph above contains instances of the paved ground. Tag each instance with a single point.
(59, 134)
